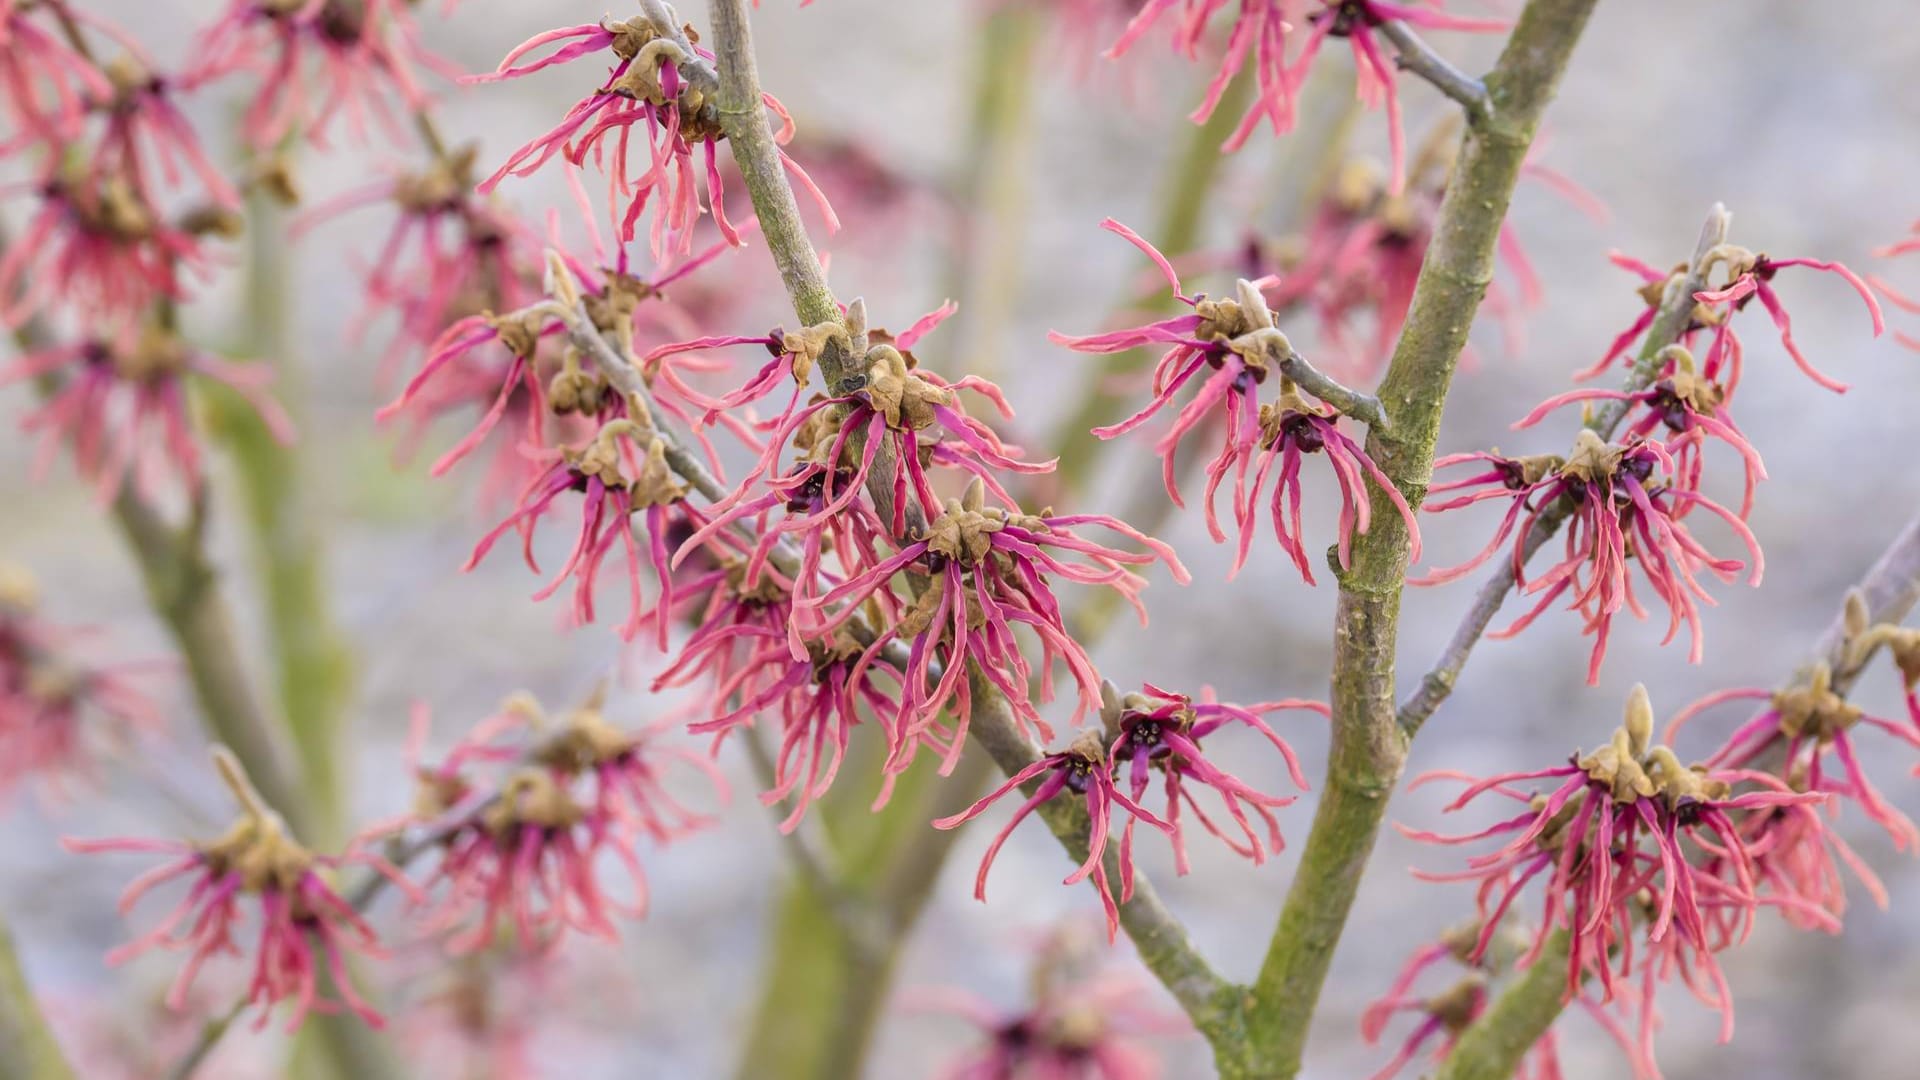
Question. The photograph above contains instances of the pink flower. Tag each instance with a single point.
(621, 472)
(1237, 341)
(1626, 510)
(362, 53)
(521, 850)
(1815, 728)
(1360, 252)
(1899, 299)
(51, 698)
(1158, 729)
(94, 248)
(1685, 403)
(1449, 1012)
(1081, 1023)
(46, 87)
(1751, 277)
(987, 571)
(660, 88)
(1084, 769)
(304, 923)
(1288, 429)
(893, 404)
(1359, 21)
(1258, 38)
(816, 702)
(1616, 843)
(122, 406)
(447, 253)
(147, 134)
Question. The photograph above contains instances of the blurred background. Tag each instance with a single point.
(1803, 118)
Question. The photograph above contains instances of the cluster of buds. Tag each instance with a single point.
(522, 809)
(1235, 342)
(305, 924)
(47, 692)
(1113, 765)
(1803, 730)
(1648, 867)
(1628, 499)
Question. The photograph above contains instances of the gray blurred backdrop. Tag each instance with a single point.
(1802, 117)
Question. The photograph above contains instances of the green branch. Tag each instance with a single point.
(28, 1050)
(1369, 748)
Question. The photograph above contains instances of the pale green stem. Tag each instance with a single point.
(1369, 748)
(28, 1050)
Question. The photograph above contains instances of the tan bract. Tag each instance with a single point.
(1633, 769)
(1593, 459)
(906, 400)
(1813, 710)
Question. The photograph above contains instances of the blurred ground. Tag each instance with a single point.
(1802, 117)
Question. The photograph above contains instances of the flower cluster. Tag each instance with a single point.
(1113, 767)
(305, 925)
(127, 204)
(1236, 344)
(1357, 257)
(1627, 503)
(662, 85)
(1081, 1021)
(362, 54)
(1749, 277)
(1647, 867)
(522, 809)
(1259, 40)
(48, 691)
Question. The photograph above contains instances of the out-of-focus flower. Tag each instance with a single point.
(122, 405)
(51, 691)
(94, 248)
(318, 61)
(518, 846)
(304, 923)
(1081, 1023)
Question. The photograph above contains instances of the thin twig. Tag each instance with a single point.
(1416, 56)
(1360, 406)
(1676, 314)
